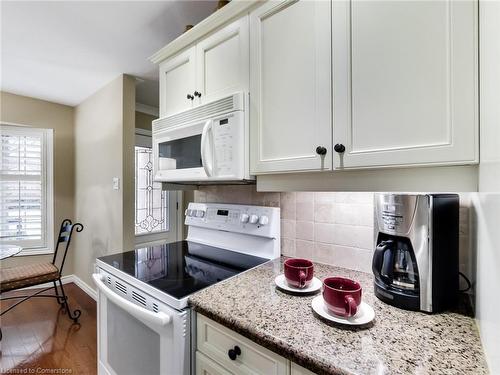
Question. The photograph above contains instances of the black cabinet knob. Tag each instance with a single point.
(320, 150)
(233, 353)
(189, 96)
(340, 148)
(198, 94)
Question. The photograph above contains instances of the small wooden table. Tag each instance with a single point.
(7, 251)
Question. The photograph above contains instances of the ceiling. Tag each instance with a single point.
(64, 51)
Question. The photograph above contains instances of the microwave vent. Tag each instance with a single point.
(212, 109)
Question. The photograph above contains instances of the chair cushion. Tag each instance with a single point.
(23, 276)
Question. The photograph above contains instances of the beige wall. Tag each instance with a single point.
(41, 114)
(143, 120)
(104, 138)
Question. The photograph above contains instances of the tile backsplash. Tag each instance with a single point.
(334, 228)
(328, 227)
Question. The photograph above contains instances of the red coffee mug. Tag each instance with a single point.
(342, 296)
(298, 272)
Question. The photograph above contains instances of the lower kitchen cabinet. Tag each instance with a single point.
(205, 366)
(297, 370)
(221, 351)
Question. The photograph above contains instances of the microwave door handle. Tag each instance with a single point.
(204, 140)
(159, 318)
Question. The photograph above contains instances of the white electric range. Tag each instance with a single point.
(144, 321)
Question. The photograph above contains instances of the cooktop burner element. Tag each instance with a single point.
(182, 268)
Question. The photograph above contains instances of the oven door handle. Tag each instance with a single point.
(159, 318)
(204, 140)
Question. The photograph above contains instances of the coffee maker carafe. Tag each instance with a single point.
(415, 262)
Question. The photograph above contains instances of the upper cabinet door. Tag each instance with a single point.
(177, 80)
(290, 84)
(222, 62)
(405, 83)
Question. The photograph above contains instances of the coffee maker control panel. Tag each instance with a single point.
(396, 212)
(391, 218)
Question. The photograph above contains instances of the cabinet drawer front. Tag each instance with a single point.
(205, 366)
(297, 370)
(215, 340)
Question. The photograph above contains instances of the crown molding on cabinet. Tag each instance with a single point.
(463, 178)
(219, 18)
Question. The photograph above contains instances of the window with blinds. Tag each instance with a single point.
(26, 188)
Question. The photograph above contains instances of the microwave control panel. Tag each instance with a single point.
(228, 143)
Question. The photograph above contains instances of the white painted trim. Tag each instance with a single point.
(46, 245)
(147, 109)
(438, 179)
(217, 19)
(91, 292)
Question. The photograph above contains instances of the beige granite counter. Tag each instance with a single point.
(398, 341)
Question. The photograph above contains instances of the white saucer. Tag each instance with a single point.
(314, 286)
(364, 315)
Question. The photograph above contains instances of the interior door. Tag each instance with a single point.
(177, 80)
(222, 62)
(405, 83)
(290, 81)
(156, 210)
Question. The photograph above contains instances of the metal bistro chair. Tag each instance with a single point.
(34, 274)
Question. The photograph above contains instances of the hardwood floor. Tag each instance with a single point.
(38, 335)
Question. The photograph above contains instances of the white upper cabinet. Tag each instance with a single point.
(222, 62)
(290, 87)
(177, 81)
(214, 67)
(405, 83)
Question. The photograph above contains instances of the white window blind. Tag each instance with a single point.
(26, 193)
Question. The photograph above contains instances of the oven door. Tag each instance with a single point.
(138, 334)
(208, 150)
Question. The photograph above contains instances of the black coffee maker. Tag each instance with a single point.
(415, 262)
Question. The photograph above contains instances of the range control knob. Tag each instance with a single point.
(244, 218)
(254, 219)
(263, 220)
(200, 213)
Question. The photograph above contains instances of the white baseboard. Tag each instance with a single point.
(85, 287)
(69, 279)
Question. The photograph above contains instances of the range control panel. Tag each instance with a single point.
(256, 220)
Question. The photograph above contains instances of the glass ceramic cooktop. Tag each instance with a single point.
(182, 268)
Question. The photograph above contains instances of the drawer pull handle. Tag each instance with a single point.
(233, 353)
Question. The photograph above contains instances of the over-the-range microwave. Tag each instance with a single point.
(205, 144)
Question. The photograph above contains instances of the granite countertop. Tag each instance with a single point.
(398, 341)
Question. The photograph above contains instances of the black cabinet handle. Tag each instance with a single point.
(233, 353)
(189, 96)
(198, 94)
(339, 147)
(320, 150)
